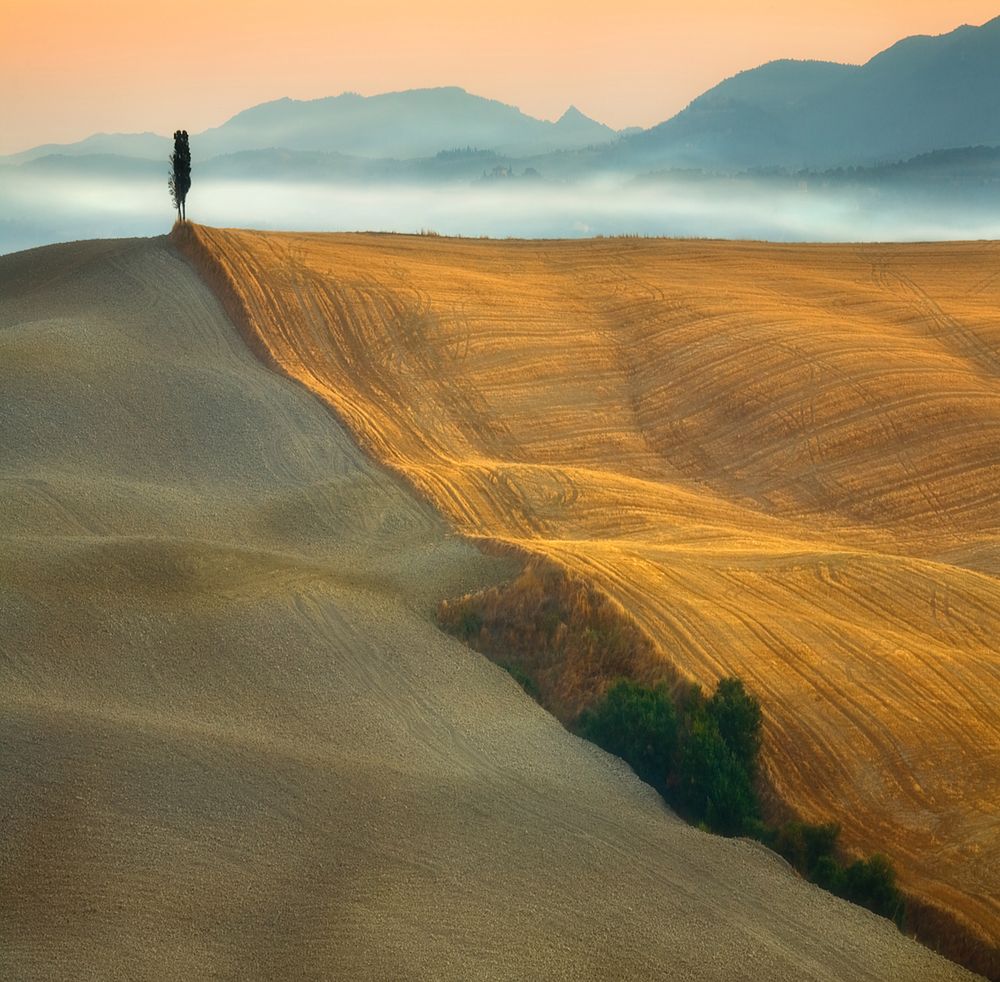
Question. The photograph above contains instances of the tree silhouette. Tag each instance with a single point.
(179, 182)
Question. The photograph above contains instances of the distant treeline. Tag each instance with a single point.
(962, 166)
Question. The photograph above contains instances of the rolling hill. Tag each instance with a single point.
(781, 461)
(138, 146)
(236, 746)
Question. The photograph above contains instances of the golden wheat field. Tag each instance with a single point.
(783, 461)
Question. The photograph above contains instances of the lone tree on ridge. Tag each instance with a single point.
(179, 182)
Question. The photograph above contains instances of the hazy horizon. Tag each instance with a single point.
(392, 164)
(40, 210)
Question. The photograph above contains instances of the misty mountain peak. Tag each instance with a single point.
(582, 126)
(573, 115)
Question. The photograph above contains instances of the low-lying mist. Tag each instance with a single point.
(39, 208)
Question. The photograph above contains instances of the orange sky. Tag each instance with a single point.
(70, 68)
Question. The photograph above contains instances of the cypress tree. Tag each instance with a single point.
(179, 182)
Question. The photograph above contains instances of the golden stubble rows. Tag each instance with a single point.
(783, 460)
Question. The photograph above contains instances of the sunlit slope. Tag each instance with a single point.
(234, 744)
(784, 461)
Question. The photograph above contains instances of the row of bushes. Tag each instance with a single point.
(701, 754)
(564, 641)
(812, 849)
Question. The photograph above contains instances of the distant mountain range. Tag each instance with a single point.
(921, 95)
(141, 146)
(397, 125)
(400, 125)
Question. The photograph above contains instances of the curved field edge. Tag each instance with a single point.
(944, 908)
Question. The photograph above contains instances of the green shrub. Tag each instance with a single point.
(871, 883)
(712, 780)
(701, 753)
(737, 715)
(805, 846)
(711, 783)
(522, 678)
(638, 724)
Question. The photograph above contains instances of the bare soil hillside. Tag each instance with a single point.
(783, 461)
(233, 743)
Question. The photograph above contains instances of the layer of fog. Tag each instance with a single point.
(36, 209)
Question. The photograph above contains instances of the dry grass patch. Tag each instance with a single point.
(561, 632)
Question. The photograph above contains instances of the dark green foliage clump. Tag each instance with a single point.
(701, 754)
(737, 715)
(711, 783)
(809, 848)
(870, 883)
(714, 771)
(521, 677)
(638, 724)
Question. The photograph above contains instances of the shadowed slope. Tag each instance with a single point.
(782, 461)
(234, 744)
